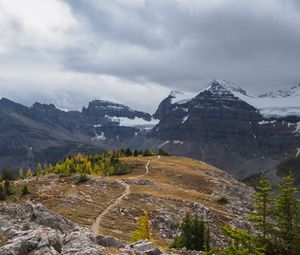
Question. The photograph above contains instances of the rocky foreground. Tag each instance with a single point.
(35, 230)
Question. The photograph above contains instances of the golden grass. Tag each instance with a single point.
(175, 182)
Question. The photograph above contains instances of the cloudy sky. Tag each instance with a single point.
(69, 52)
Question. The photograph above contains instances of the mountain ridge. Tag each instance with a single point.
(220, 125)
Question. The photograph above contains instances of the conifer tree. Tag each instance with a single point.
(39, 170)
(2, 193)
(261, 215)
(193, 234)
(7, 188)
(21, 173)
(25, 190)
(136, 153)
(128, 152)
(143, 230)
(207, 239)
(198, 234)
(287, 216)
(29, 173)
(240, 242)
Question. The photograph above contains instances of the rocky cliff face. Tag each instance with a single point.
(102, 108)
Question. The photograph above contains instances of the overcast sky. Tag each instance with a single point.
(68, 52)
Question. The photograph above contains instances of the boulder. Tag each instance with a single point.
(109, 241)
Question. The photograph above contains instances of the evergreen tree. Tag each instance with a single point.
(29, 173)
(7, 188)
(21, 173)
(207, 239)
(240, 242)
(2, 193)
(147, 153)
(261, 215)
(128, 152)
(136, 153)
(25, 190)
(162, 152)
(287, 216)
(143, 230)
(39, 170)
(193, 234)
(198, 234)
(7, 174)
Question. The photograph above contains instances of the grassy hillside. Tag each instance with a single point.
(166, 187)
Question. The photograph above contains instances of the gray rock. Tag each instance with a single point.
(145, 247)
(109, 241)
(35, 230)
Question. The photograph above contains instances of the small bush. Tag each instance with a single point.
(2, 193)
(223, 200)
(82, 178)
(25, 191)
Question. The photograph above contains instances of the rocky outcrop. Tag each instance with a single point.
(142, 247)
(33, 229)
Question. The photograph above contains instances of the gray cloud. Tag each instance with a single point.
(73, 50)
(255, 44)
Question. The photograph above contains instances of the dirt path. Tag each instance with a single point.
(96, 226)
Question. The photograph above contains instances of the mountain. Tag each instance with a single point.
(221, 124)
(224, 126)
(43, 133)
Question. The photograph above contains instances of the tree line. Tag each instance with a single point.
(104, 164)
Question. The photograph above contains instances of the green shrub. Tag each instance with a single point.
(82, 178)
(2, 193)
(223, 200)
(25, 191)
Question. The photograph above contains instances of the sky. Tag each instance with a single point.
(69, 52)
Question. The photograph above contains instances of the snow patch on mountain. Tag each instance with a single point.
(178, 97)
(185, 119)
(163, 144)
(178, 142)
(293, 91)
(298, 152)
(136, 122)
(297, 127)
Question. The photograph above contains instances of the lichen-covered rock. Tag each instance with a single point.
(109, 241)
(142, 247)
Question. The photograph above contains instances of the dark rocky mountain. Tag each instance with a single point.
(44, 133)
(221, 125)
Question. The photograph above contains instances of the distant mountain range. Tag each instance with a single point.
(221, 124)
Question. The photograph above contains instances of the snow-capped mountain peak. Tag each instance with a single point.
(278, 104)
(223, 87)
(293, 91)
(216, 87)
